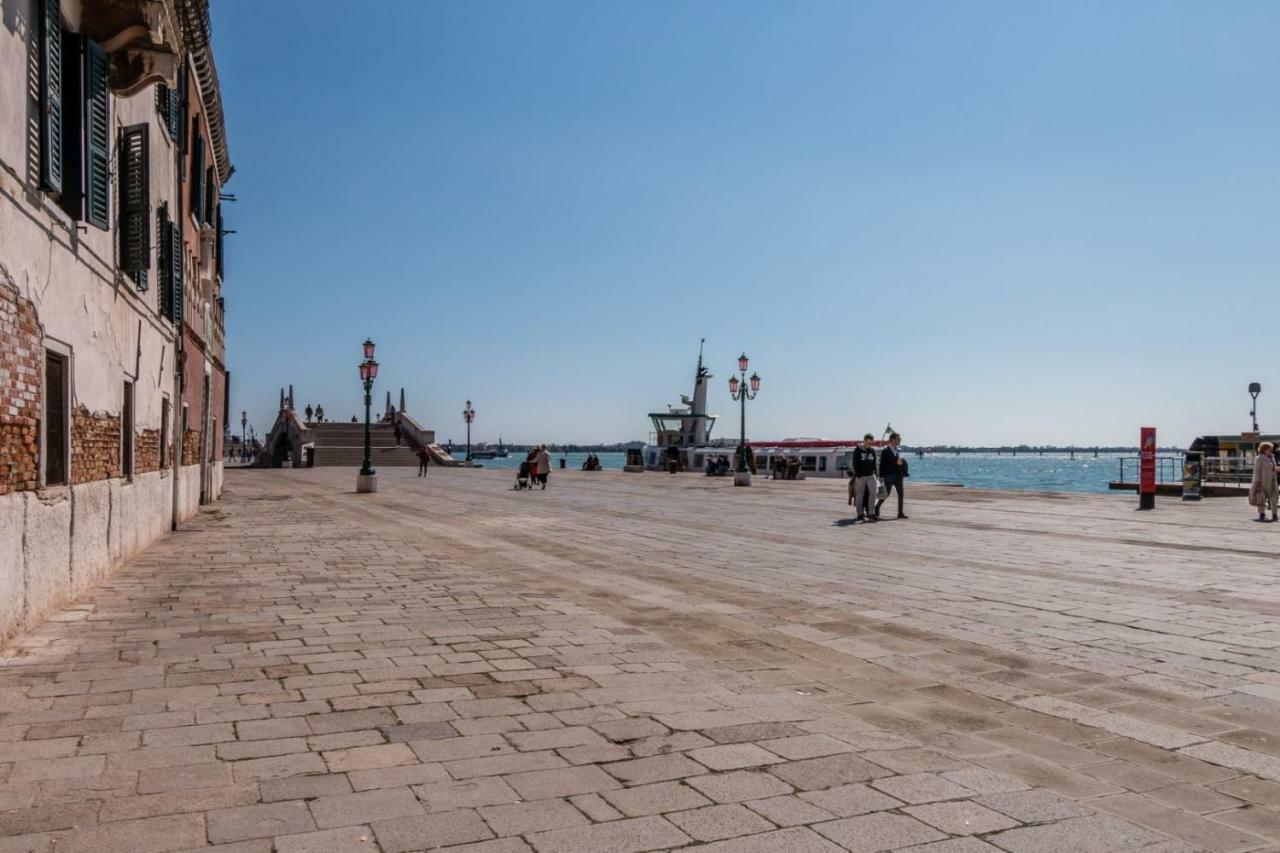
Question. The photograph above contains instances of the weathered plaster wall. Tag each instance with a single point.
(59, 278)
(56, 544)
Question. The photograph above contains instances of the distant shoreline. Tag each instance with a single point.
(1020, 450)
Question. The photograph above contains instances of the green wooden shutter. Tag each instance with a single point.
(167, 107)
(51, 95)
(135, 202)
(197, 179)
(72, 198)
(218, 242)
(175, 272)
(97, 154)
(184, 121)
(164, 239)
(210, 196)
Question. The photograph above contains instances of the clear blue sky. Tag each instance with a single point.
(986, 222)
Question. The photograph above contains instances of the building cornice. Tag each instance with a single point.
(194, 18)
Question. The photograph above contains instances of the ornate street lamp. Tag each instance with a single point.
(244, 444)
(1255, 388)
(468, 415)
(743, 389)
(367, 481)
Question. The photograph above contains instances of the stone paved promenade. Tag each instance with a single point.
(646, 662)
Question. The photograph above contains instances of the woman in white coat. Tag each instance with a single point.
(1263, 489)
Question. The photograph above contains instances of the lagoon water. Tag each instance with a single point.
(1049, 473)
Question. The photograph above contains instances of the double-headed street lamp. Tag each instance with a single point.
(368, 479)
(738, 390)
(468, 415)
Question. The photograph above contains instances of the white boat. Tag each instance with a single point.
(682, 439)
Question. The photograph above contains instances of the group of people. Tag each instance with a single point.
(316, 411)
(875, 475)
(1265, 487)
(535, 468)
(592, 463)
(718, 466)
(785, 467)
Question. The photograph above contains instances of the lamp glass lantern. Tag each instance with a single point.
(755, 382)
(373, 370)
(368, 349)
(733, 385)
(742, 362)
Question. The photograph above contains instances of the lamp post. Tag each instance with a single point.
(742, 390)
(244, 427)
(1255, 388)
(367, 481)
(468, 415)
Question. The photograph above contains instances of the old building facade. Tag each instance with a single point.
(113, 156)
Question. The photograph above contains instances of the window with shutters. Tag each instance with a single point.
(170, 282)
(72, 198)
(135, 203)
(51, 101)
(183, 138)
(97, 136)
(218, 242)
(197, 171)
(168, 105)
(210, 197)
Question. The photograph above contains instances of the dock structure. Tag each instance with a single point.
(654, 662)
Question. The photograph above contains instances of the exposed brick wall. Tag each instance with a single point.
(95, 446)
(191, 447)
(21, 354)
(146, 451)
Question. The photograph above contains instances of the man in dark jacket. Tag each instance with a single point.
(865, 486)
(893, 468)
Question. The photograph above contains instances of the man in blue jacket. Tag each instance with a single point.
(893, 468)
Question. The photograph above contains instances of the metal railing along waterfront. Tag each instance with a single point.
(1168, 469)
(1214, 469)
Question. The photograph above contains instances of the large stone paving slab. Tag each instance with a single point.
(645, 662)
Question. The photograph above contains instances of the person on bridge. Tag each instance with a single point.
(423, 458)
(399, 433)
(307, 411)
(1263, 490)
(893, 468)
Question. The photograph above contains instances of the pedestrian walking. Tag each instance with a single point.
(1263, 489)
(319, 413)
(399, 433)
(423, 459)
(543, 465)
(864, 487)
(307, 410)
(893, 468)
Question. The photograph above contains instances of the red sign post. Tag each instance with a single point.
(1147, 469)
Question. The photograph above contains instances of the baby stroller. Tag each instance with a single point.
(522, 476)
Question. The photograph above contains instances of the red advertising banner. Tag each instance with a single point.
(1147, 464)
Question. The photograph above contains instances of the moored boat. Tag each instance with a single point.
(682, 441)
